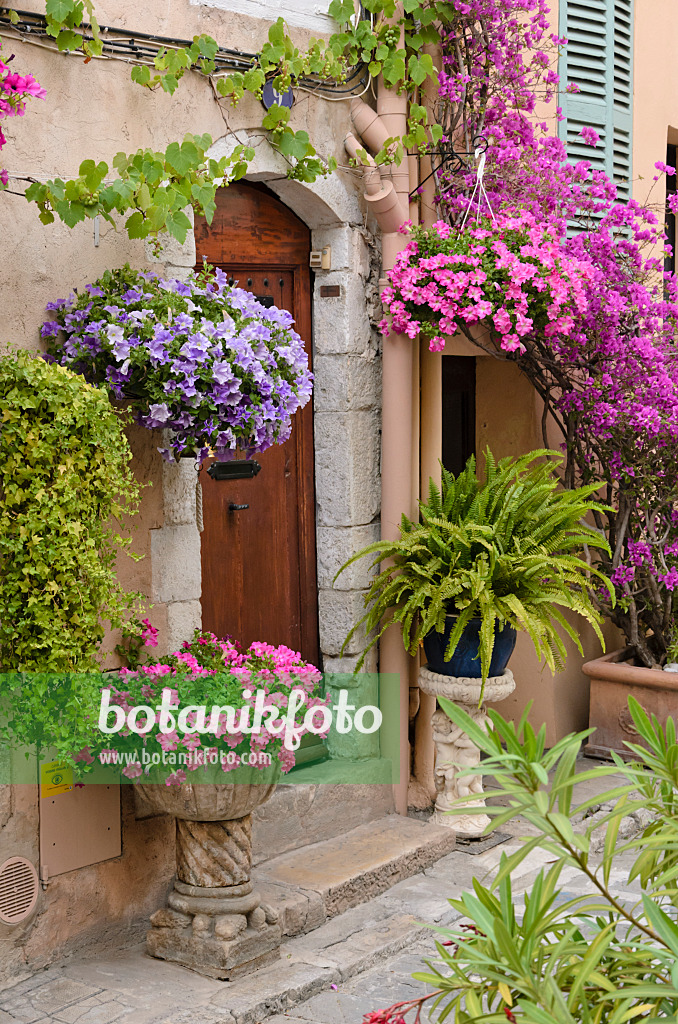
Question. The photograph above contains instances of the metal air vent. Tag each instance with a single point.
(18, 890)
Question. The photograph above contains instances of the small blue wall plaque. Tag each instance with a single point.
(271, 96)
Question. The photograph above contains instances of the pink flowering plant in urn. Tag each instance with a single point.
(201, 358)
(208, 713)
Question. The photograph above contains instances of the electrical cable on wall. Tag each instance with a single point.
(141, 48)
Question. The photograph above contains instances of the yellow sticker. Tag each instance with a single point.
(55, 777)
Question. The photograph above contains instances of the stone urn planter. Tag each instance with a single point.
(614, 678)
(214, 922)
(456, 751)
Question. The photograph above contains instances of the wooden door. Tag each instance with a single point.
(258, 563)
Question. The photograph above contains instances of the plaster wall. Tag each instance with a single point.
(305, 13)
(94, 110)
(655, 93)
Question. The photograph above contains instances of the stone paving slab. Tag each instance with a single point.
(380, 987)
(355, 962)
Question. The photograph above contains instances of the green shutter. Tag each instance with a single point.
(599, 59)
(622, 100)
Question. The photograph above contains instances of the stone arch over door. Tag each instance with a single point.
(346, 409)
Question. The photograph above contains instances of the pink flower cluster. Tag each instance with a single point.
(275, 671)
(15, 89)
(149, 634)
(512, 274)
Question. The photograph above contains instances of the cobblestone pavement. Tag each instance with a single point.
(354, 963)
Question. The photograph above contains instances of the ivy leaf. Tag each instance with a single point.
(341, 10)
(135, 225)
(254, 80)
(178, 225)
(276, 33)
(141, 75)
(144, 197)
(71, 213)
(93, 173)
(181, 158)
(203, 194)
(421, 67)
(394, 68)
(276, 116)
(169, 83)
(68, 40)
(60, 10)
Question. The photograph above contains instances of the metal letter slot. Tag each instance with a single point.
(238, 469)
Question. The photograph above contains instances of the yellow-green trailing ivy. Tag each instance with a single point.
(65, 481)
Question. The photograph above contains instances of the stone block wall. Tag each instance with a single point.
(176, 572)
(347, 368)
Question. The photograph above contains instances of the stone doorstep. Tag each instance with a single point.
(313, 884)
(350, 902)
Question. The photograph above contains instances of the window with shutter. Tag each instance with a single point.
(599, 59)
(670, 260)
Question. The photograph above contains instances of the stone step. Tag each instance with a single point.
(371, 865)
(314, 884)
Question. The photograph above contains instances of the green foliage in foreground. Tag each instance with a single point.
(64, 480)
(593, 959)
(503, 549)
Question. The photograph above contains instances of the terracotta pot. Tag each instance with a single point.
(613, 680)
(204, 801)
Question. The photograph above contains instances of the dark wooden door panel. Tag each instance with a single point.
(259, 563)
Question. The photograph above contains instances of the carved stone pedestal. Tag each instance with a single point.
(214, 922)
(455, 751)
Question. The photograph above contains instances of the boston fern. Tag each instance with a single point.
(505, 549)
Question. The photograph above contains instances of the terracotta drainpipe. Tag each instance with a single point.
(422, 789)
(391, 207)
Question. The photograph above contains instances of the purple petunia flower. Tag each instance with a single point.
(158, 415)
(232, 370)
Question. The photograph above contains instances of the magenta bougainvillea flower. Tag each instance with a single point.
(15, 89)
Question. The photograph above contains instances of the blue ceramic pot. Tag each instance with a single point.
(465, 661)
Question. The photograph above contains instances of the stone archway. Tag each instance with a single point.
(347, 412)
